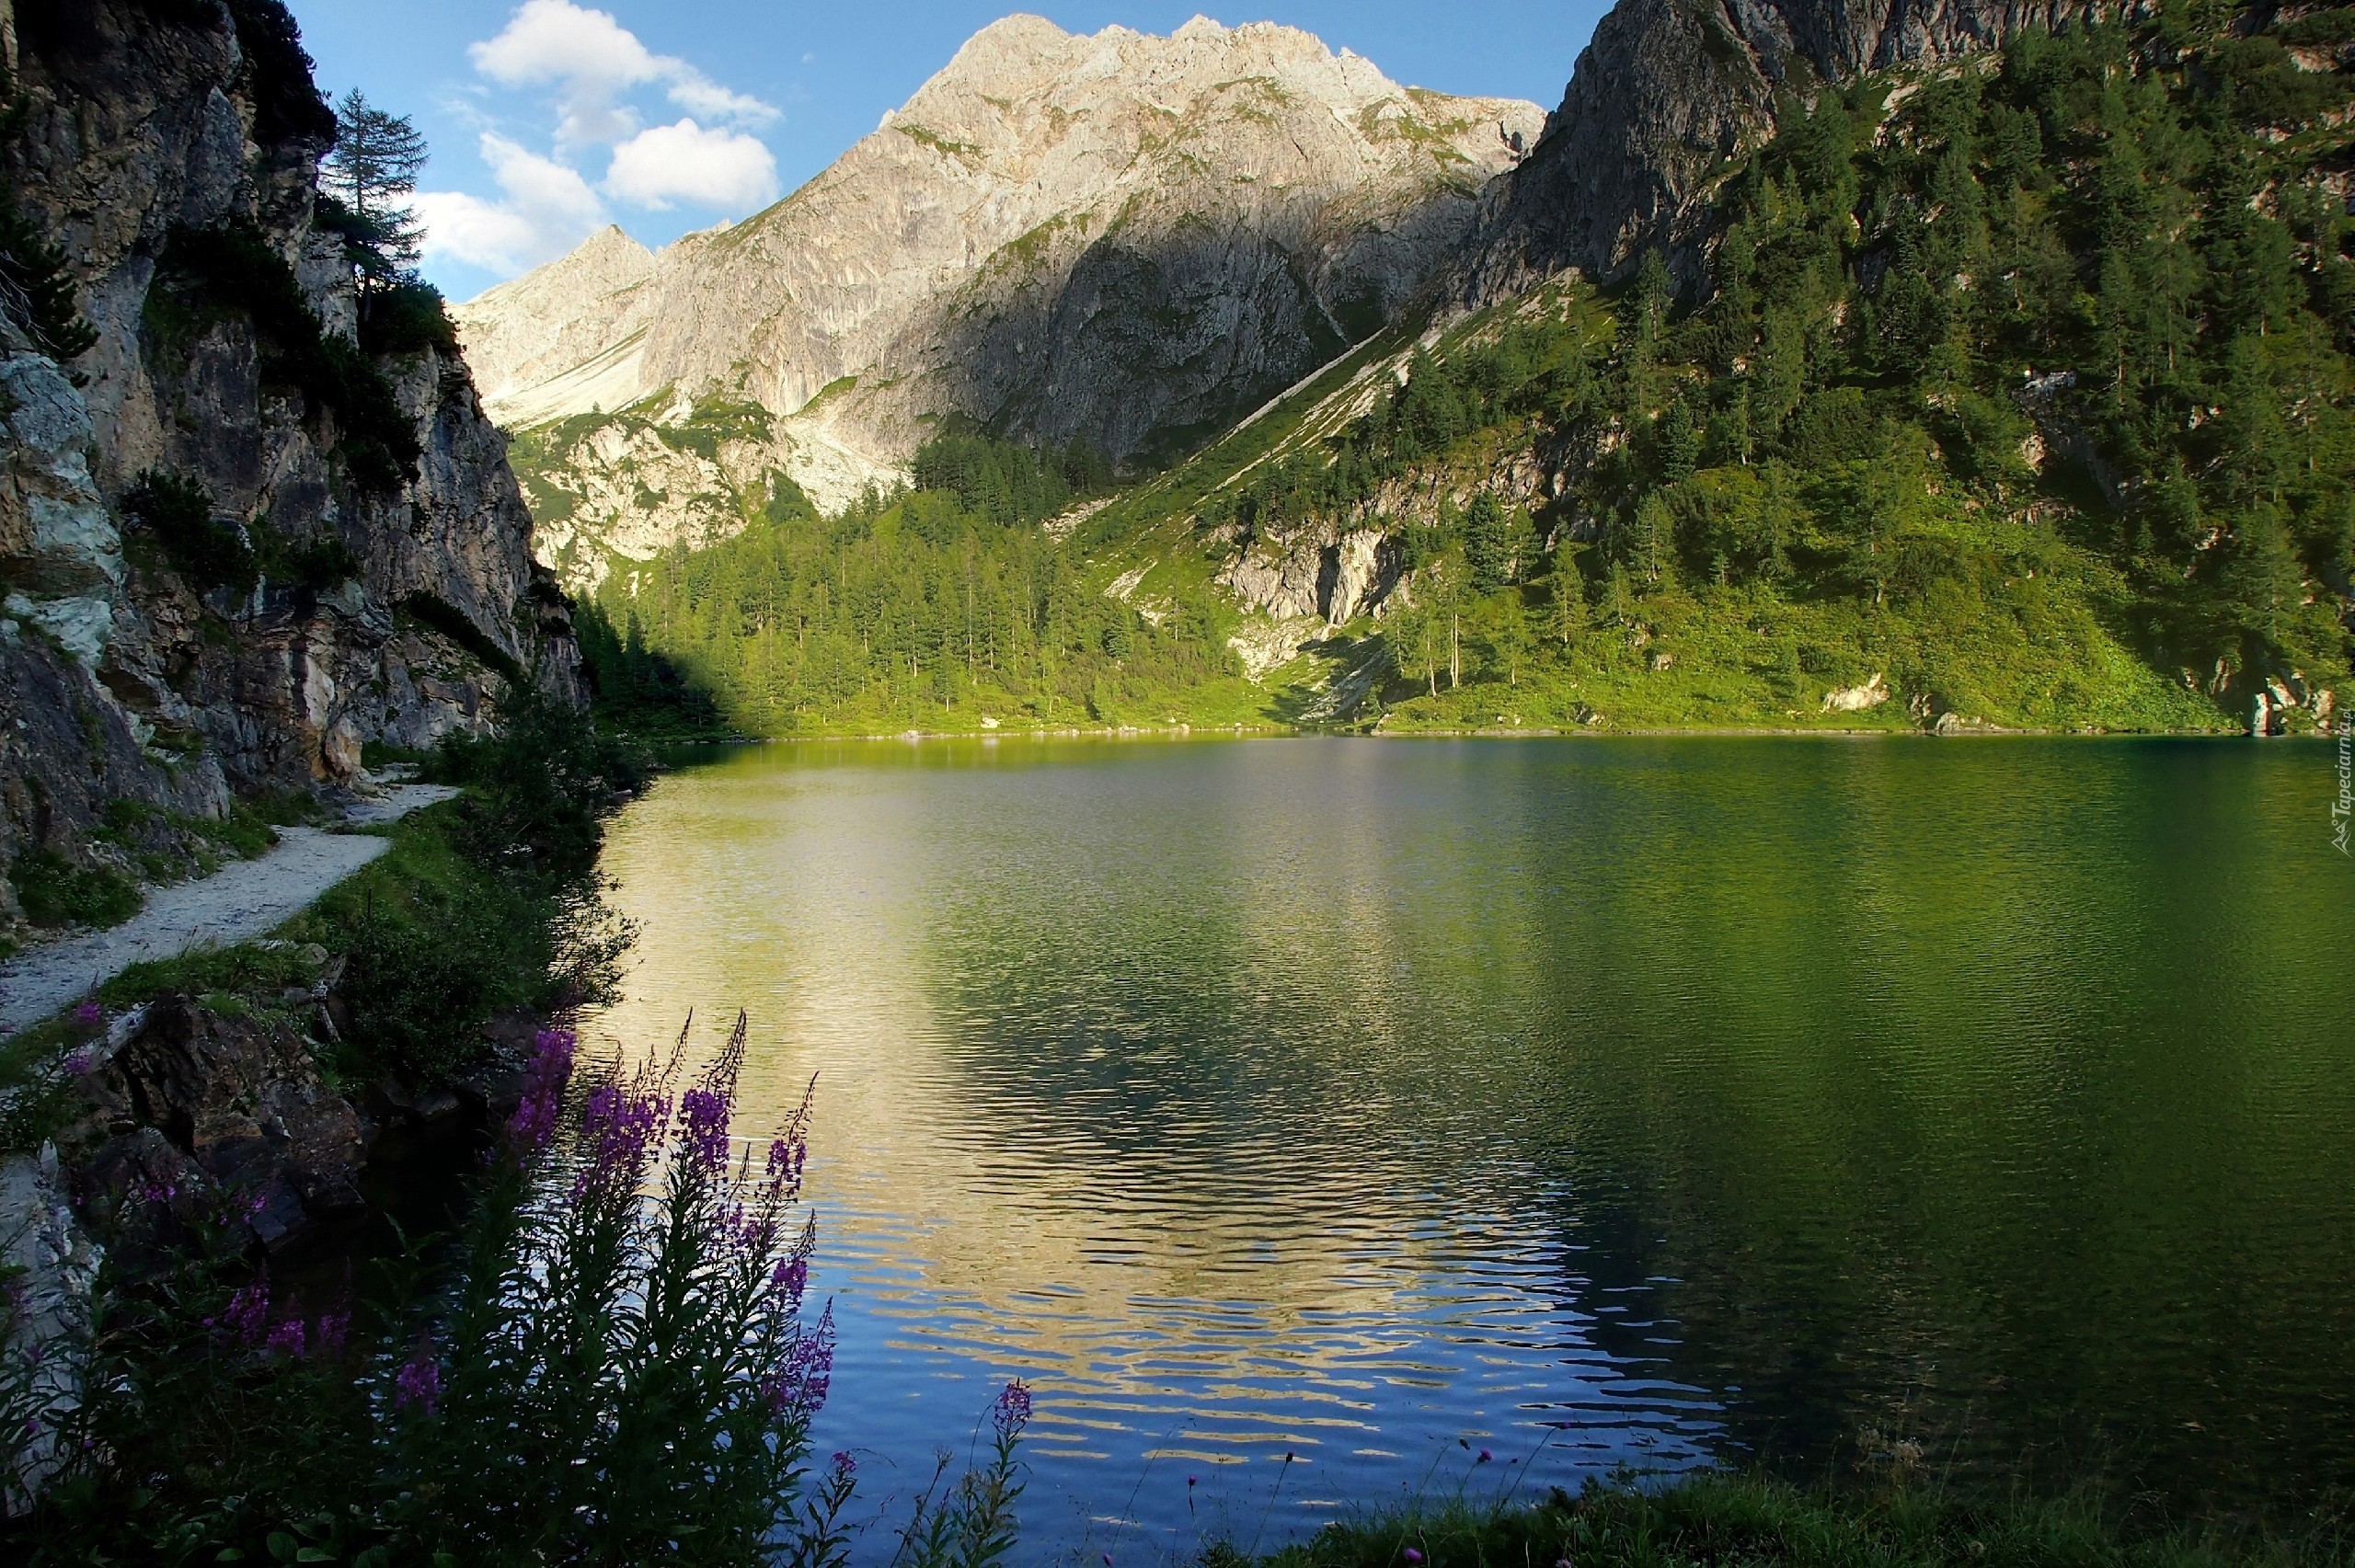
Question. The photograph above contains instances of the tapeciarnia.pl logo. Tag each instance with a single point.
(2343, 808)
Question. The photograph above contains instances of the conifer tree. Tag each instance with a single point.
(373, 170)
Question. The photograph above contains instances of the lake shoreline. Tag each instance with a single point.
(1272, 732)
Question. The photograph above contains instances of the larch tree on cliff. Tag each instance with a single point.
(372, 170)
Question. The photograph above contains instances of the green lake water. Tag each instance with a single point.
(1592, 1102)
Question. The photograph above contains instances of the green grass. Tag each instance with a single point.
(56, 892)
(257, 971)
(1712, 1518)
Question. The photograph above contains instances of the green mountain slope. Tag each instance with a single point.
(2019, 398)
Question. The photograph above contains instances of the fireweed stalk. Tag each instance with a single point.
(971, 1525)
(625, 1365)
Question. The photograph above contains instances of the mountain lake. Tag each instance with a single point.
(1319, 1122)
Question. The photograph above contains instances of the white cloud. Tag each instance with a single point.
(711, 100)
(548, 209)
(593, 59)
(687, 162)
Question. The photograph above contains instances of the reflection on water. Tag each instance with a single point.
(1588, 1102)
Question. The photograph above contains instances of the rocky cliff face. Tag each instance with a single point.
(1668, 92)
(1123, 239)
(149, 131)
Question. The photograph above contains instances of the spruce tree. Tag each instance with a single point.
(1487, 542)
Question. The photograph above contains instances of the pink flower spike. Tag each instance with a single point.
(1413, 1556)
(419, 1382)
(1012, 1412)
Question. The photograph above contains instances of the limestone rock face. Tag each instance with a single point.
(1666, 92)
(118, 678)
(1125, 239)
(539, 343)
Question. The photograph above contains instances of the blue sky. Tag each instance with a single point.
(549, 117)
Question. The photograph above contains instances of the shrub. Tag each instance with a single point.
(407, 317)
(538, 791)
(37, 285)
(319, 562)
(488, 903)
(206, 550)
(53, 891)
(424, 973)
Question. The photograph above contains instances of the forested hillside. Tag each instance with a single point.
(939, 607)
(2017, 396)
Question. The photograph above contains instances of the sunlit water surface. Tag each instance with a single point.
(1592, 1102)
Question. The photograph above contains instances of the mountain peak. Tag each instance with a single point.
(1111, 237)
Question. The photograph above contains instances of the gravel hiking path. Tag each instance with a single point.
(242, 900)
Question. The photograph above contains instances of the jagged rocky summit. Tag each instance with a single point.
(1123, 239)
(171, 153)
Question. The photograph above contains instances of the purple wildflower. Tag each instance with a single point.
(703, 1131)
(1484, 1457)
(90, 1015)
(247, 1317)
(799, 1386)
(618, 1129)
(532, 1125)
(1012, 1412)
(334, 1328)
(82, 1060)
(286, 1338)
(788, 1278)
(419, 1382)
(1413, 1556)
(843, 1463)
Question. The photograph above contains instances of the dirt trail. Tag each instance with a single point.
(242, 900)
